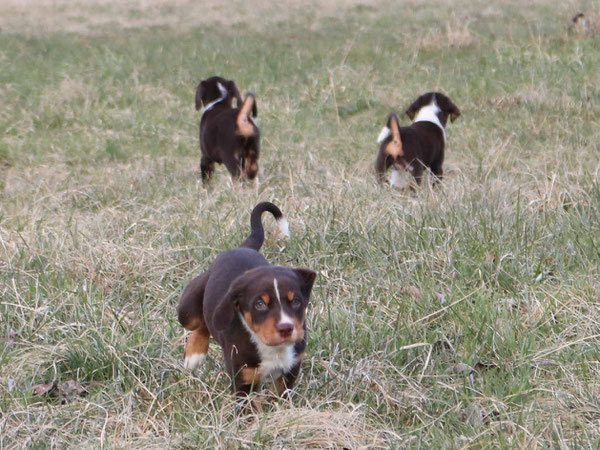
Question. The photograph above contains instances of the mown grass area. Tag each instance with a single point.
(103, 221)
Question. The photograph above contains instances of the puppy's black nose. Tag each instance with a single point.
(285, 329)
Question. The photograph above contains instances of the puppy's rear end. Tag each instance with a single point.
(228, 135)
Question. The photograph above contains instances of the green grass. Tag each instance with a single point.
(103, 222)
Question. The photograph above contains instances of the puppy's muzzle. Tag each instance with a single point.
(285, 330)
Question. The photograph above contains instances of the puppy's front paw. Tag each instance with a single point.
(194, 361)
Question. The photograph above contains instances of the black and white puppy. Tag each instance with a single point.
(420, 145)
(228, 135)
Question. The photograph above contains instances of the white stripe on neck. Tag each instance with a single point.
(429, 114)
(223, 97)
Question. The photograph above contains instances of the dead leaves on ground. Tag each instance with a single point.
(478, 369)
(65, 392)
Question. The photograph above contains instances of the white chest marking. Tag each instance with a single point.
(274, 360)
(429, 114)
(210, 105)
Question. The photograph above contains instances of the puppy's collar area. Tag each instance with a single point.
(429, 113)
(219, 100)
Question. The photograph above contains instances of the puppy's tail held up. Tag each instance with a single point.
(257, 236)
(244, 120)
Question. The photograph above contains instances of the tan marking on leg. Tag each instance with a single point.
(197, 342)
(194, 323)
(280, 386)
(251, 168)
(245, 127)
(250, 375)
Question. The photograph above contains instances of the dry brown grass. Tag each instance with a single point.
(456, 33)
(96, 16)
(414, 289)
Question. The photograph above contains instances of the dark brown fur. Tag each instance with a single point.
(227, 134)
(419, 146)
(239, 286)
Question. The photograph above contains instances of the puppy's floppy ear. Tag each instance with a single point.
(199, 94)
(454, 111)
(412, 110)
(234, 92)
(307, 279)
(223, 315)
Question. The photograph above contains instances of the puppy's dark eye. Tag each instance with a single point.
(260, 305)
(296, 303)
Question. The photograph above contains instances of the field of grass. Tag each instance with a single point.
(465, 316)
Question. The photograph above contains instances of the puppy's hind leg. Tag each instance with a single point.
(207, 167)
(234, 166)
(437, 170)
(383, 163)
(196, 348)
(190, 315)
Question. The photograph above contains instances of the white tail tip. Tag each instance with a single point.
(385, 132)
(284, 226)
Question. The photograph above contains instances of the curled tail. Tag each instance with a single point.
(257, 236)
(245, 124)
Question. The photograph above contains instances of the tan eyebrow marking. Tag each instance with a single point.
(290, 296)
(266, 298)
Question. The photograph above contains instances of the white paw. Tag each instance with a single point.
(194, 361)
(395, 180)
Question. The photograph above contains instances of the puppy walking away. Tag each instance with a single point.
(420, 145)
(228, 135)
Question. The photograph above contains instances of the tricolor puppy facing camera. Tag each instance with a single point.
(228, 135)
(420, 145)
(255, 311)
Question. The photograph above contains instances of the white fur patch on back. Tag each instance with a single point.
(385, 132)
(284, 226)
(274, 360)
(429, 114)
(194, 361)
(211, 104)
